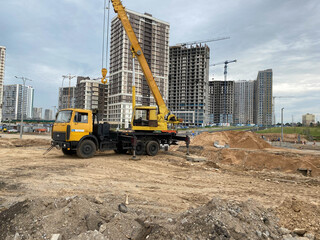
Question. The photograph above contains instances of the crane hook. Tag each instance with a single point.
(104, 74)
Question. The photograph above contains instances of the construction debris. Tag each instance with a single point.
(218, 219)
(193, 158)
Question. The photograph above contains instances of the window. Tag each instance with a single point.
(81, 117)
(64, 116)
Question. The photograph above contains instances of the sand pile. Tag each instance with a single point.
(12, 142)
(266, 160)
(235, 139)
(286, 137)
(249, 151)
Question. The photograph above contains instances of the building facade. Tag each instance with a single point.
(188, 83)
(221, 102)
(91, 94)
(308, 119)
(37, 113)
(12, 102)
(66, 97)
(263, 98)
(2, 68)
(153, 37)
(48, 114)
(243, 102)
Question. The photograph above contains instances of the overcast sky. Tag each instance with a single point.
(48, 39)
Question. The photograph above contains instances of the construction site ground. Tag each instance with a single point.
(161, 190)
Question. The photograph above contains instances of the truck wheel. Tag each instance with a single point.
(152, 148)
(86, 149)
(68, 152)
(140, 148)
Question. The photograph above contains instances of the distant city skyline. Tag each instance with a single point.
(45, 40)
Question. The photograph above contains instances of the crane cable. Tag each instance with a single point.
(104, 69)
(108, 32)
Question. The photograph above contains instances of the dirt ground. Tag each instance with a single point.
(163, 184)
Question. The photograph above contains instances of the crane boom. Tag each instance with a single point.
(137, 51)
(202, 41)
(225, 62)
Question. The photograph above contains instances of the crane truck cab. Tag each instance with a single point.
(147, 118)
(78, 131)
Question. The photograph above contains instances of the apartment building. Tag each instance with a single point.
(37, 113)
(48, 114)
(12, 102)
(91, 94)
(153, 36)
(66, 97)
(221, 102)
(2, 67)
(243, 102)
(262, 113)
(188, 83)
(308, 118)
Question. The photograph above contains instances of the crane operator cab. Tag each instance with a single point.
(146, 118)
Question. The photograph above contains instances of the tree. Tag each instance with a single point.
(299, 124)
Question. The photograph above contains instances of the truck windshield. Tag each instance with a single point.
(64, 116)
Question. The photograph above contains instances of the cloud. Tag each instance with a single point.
(47, 39)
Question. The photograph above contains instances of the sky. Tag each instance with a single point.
(48, 39)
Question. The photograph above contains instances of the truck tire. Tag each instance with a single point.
(152, 148)
(86, 149)
(140, 148)
(68, 152)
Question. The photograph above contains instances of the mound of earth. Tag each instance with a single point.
(13, 142)
(82, 217)
(235, 139)
(286, 137)
(294, 213)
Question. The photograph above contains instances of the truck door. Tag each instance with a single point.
(81, 126)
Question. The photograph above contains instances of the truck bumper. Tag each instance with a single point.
(61, 144)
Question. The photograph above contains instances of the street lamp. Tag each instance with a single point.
(282, 124)
(24, 79)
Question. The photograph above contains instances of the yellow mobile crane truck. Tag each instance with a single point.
(79, 131)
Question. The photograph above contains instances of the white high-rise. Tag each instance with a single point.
(12, 102)
(2, 66)
(243, 102)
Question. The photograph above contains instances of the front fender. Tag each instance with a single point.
(90, 137)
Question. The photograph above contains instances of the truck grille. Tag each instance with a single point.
(59, 136)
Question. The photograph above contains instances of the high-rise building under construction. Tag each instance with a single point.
(153, 36)
(188, 83)
(221, 102)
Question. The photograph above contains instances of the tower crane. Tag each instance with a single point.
(201, 41)
(225, 115)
